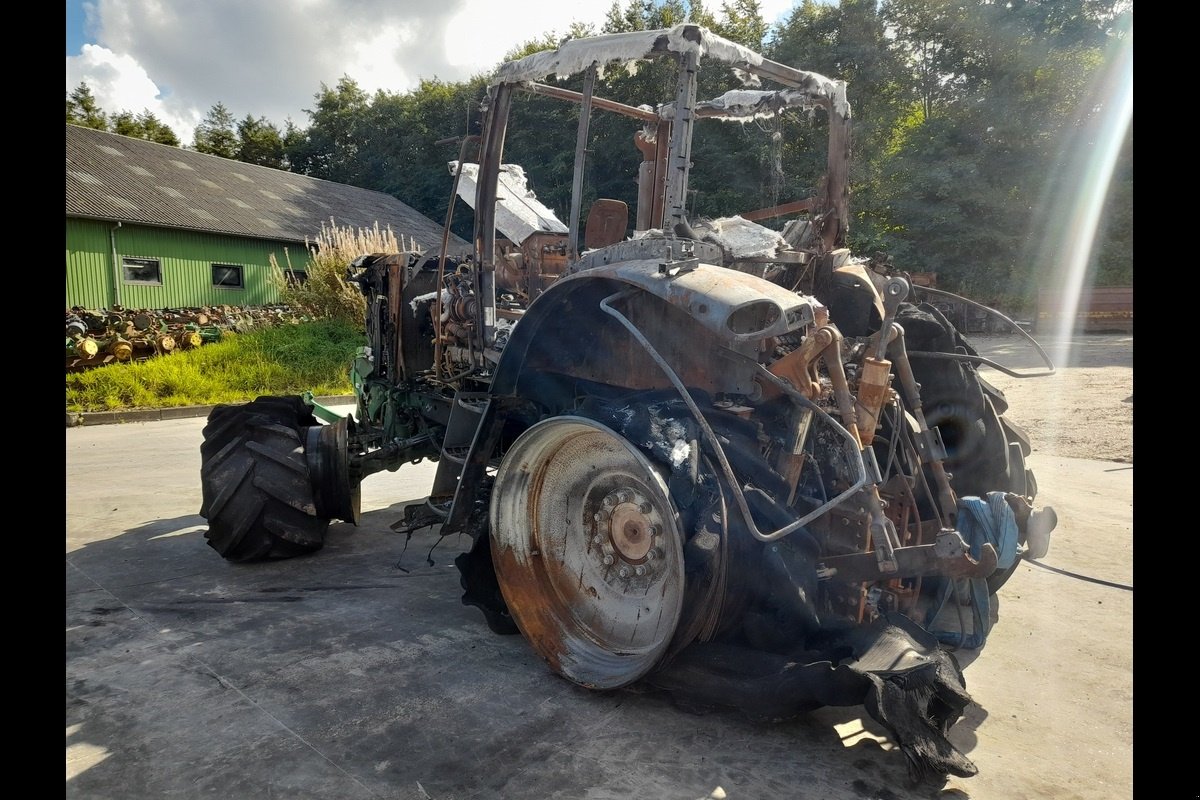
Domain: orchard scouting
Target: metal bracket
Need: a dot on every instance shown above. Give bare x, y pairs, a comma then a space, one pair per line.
673, 268
949, 555
320, 411
871, 464
422, 514
930, 445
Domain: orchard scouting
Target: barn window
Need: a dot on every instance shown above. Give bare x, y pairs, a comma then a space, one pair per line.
227, 275
295, 277
142, 270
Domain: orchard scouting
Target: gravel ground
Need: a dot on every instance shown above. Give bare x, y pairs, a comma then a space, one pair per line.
1085, 409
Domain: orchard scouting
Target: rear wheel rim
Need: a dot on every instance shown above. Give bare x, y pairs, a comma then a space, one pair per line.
587, 550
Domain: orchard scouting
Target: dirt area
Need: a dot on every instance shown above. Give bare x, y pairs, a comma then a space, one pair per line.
1085, 409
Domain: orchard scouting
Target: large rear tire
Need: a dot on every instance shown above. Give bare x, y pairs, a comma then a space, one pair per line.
587, 550
257, 491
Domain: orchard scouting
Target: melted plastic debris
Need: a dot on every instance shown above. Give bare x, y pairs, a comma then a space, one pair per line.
741, 238
503, 331
680, 452
518, 211
423, 298
576, 55
744, 105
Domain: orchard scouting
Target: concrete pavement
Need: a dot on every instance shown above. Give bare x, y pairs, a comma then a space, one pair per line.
356, 672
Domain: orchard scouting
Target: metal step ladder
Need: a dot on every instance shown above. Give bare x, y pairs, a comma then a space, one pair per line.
467, 412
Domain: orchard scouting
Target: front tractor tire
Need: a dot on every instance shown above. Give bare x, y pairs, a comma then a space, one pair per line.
257, 492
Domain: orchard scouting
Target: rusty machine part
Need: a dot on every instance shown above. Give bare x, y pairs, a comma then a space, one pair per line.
81, 347
733, 463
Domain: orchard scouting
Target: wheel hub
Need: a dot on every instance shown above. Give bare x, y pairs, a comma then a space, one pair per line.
627, 532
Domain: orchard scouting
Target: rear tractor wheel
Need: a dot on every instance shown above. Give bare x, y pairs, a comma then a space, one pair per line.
587, 550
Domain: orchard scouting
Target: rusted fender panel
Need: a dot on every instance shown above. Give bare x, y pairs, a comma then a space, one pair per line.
564, 330
736, 306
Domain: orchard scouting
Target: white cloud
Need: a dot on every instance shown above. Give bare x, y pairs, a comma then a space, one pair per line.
120, 83
270, 57
378, 61
480, 35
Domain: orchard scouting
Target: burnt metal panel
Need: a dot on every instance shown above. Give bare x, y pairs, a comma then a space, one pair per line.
716, 297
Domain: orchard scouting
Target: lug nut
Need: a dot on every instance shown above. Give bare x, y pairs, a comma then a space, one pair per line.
652, 554
608, 560
597, 539
623, 572
639, 570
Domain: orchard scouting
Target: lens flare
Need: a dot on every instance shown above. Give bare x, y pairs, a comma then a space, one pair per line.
1096, 147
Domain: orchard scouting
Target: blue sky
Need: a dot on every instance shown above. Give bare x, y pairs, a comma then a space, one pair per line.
178, 58
75, 38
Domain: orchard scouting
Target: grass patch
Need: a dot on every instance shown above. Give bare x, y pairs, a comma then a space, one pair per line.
287, 359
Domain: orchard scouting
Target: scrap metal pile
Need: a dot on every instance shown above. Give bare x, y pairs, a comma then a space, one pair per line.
108, 336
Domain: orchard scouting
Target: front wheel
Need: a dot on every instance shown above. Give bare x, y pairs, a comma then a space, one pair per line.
257, 492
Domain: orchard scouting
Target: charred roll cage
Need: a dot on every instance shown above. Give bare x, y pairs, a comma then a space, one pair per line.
749, 475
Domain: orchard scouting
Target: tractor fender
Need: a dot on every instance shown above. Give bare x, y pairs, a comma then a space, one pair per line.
707, 320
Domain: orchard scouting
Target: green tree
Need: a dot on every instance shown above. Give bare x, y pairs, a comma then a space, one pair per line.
623, 20
156, 130
126, 124
144, 126
403, 157
82, 109
1001, 88
923, 31
215, 134
847, 42
259, 142
742, 21
291, 137
1114, 256
332, 146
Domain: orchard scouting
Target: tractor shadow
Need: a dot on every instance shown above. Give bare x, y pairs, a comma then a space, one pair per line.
366, 642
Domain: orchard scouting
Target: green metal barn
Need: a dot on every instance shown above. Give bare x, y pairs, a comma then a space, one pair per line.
154, 226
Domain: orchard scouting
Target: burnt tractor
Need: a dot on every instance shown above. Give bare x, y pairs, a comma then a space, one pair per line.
729, 462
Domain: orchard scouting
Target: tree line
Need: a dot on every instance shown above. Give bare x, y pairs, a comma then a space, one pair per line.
967, 117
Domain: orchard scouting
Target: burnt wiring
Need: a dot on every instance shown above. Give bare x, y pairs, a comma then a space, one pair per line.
893, 444
958, 585
714, 442
1077, 576
977, 359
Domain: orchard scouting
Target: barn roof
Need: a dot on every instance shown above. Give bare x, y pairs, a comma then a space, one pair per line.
121, 178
